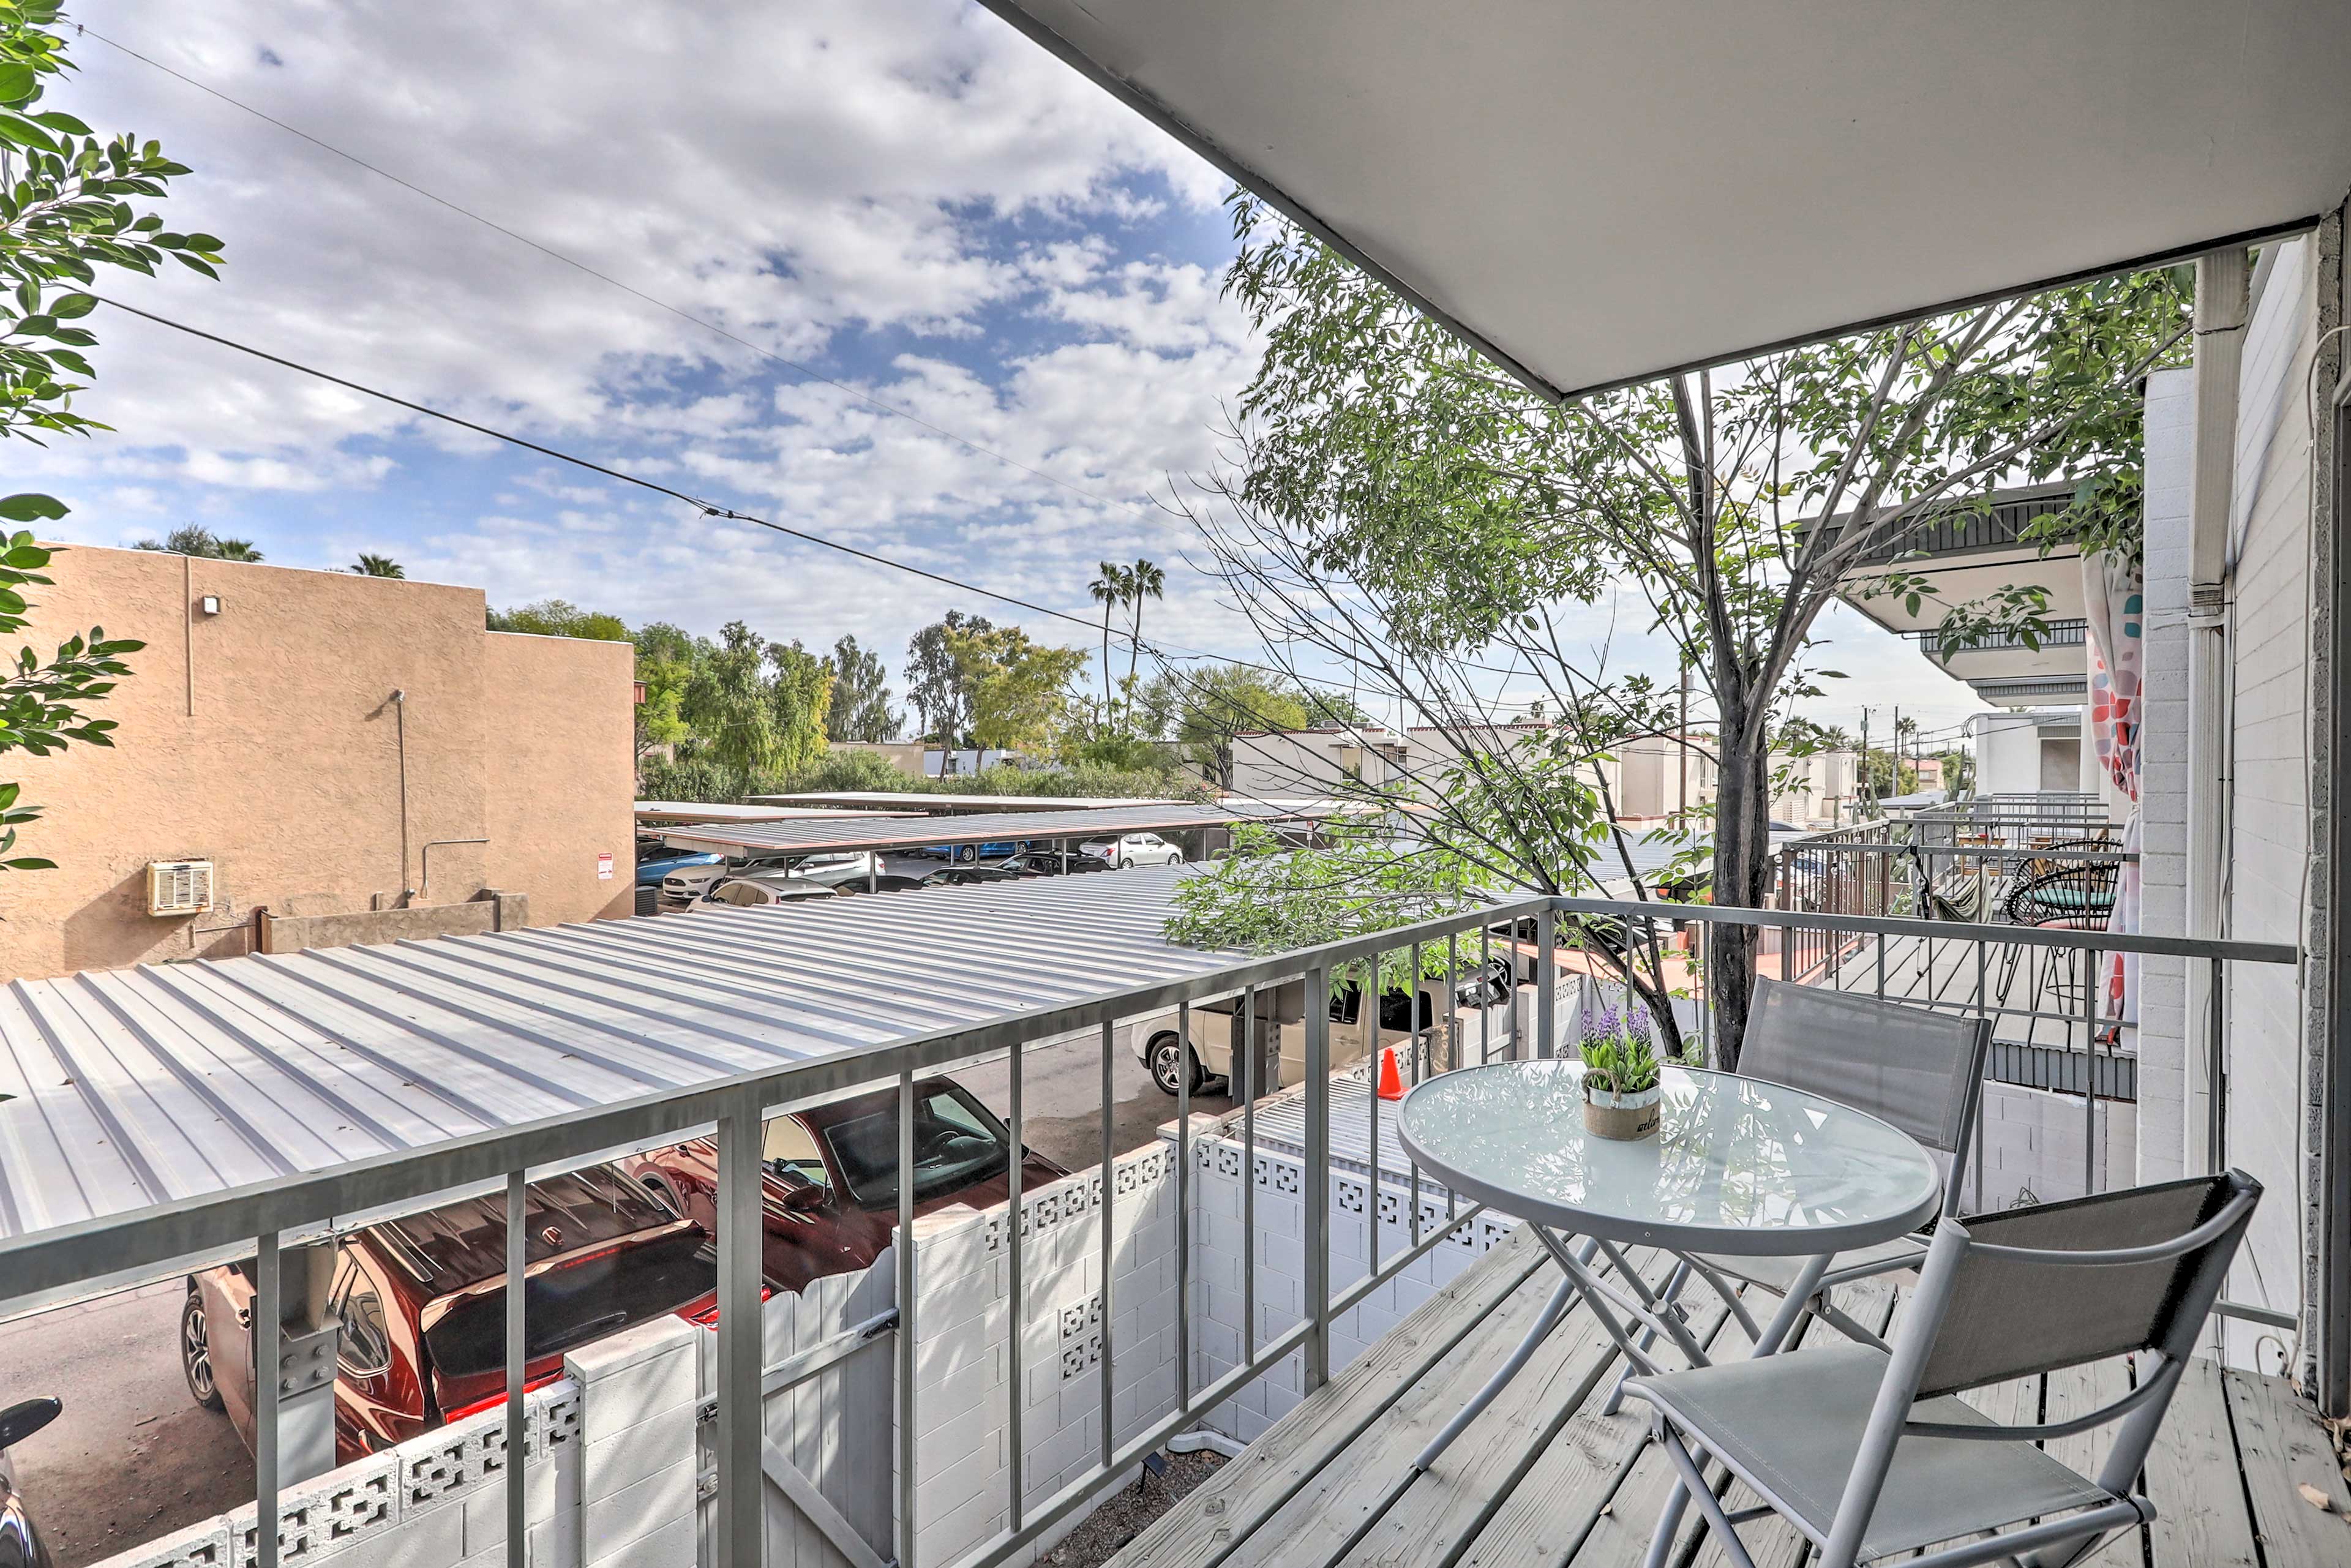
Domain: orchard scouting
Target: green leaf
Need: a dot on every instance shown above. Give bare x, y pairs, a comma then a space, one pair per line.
28, 508
16, 82
72, 307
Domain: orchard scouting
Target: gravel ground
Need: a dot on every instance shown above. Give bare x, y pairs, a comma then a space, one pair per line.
1123, 1517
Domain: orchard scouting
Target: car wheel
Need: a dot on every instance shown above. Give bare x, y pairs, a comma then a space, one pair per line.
1169, 1058
197, 1353
1125, 863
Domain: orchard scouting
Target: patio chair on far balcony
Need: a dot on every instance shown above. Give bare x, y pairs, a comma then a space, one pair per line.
1869, 1452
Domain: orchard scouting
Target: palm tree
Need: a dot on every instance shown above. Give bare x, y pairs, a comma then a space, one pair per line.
1143, 581
1110, 592
377, 565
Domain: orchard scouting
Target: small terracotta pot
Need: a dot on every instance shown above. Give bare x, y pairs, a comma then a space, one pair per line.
1622, 1117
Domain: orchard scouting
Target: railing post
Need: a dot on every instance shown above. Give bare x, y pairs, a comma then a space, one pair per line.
2216, 1070
1316, 1195
1249, 1050
1015, 1296
1546, 984
1183, 1213
742, 1423
517, 1364
908, 1487
269, 1349
1110, 1238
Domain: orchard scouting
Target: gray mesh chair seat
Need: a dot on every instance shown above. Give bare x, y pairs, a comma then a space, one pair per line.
1867, 1449
1792, 1426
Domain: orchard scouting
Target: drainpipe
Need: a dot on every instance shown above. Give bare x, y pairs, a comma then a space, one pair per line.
2222, 308
398, 700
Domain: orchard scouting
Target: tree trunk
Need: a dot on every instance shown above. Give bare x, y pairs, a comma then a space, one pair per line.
1743, 872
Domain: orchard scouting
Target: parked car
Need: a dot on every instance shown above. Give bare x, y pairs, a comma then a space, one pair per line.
1281, 1018
761, 890
1016, 868
975, 875
1052, 863
20, 1543
421, 1302
656, 860
681, 887
1135, 849
830, 1184
972, 854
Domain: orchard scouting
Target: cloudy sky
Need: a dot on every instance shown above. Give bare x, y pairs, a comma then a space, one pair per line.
919, 209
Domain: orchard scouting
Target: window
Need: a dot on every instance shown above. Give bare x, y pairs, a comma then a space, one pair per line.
365, 1348
791, 1151
956, 1143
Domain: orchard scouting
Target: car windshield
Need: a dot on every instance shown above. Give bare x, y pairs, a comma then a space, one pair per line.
956, 1142
571, 1304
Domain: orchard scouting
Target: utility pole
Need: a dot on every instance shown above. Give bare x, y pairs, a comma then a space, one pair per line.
1861, 792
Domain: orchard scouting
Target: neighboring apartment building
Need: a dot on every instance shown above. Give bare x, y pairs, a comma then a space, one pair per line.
304, 737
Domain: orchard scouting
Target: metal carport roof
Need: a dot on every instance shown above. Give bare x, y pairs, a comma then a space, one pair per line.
1596, 192
872, 831
652, 812
123, 1089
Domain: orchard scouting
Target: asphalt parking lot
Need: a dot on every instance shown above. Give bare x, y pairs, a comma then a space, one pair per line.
131, 1458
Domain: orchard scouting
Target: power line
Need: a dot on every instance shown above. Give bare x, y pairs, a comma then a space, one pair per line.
552, 254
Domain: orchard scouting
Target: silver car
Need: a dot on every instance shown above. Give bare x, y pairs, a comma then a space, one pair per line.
20, 1543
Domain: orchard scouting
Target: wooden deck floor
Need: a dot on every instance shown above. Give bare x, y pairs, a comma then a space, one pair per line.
1543, 1480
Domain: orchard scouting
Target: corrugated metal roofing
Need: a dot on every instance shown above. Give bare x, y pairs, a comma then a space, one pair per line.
123, 1089
863, 833
948, 802
711, 811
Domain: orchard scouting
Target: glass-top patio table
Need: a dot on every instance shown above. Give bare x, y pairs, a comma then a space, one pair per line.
1738, 1166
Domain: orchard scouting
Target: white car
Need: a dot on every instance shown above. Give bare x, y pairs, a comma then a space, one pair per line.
687, 884
1135, 849
760, 889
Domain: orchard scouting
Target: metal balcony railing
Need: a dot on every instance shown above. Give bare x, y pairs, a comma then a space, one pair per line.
1546, 940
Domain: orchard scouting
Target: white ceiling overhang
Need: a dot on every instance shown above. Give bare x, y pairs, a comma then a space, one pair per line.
1595, 193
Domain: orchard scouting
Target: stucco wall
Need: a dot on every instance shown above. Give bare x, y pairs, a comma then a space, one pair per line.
562, 779
262, 738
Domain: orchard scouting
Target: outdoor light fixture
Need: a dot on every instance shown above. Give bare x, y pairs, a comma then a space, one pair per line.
209, 604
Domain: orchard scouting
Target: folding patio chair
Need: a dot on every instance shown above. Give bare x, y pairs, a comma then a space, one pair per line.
1920, 1071
1869, 1453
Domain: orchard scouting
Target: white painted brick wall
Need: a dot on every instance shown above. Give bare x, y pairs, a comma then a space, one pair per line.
2269, 1084
963, 1325
1218, 1307
2163, 774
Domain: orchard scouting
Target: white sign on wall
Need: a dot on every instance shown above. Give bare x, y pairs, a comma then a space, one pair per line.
604, 867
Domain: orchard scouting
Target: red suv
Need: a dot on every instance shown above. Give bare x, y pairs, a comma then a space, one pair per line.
423, 1303
830, 1185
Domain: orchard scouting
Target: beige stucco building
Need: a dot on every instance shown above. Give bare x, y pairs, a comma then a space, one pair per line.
260, 732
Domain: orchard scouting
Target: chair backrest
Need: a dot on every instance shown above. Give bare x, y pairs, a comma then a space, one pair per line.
1919, 1071
2031, 1290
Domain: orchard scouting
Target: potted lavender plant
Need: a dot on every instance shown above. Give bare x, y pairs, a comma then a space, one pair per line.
1623, 1082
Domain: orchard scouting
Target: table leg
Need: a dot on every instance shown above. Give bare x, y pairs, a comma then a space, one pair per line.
1547, 1320
1660, 1313
1791, 1308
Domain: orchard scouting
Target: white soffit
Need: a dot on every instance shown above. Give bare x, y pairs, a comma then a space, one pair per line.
1597, 193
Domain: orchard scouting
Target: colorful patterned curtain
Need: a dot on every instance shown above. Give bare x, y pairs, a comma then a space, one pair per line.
2112, 598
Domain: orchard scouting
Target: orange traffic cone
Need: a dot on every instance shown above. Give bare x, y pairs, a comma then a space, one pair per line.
1391, 1084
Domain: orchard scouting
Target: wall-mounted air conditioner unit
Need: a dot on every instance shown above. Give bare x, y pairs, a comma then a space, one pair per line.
179, 887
